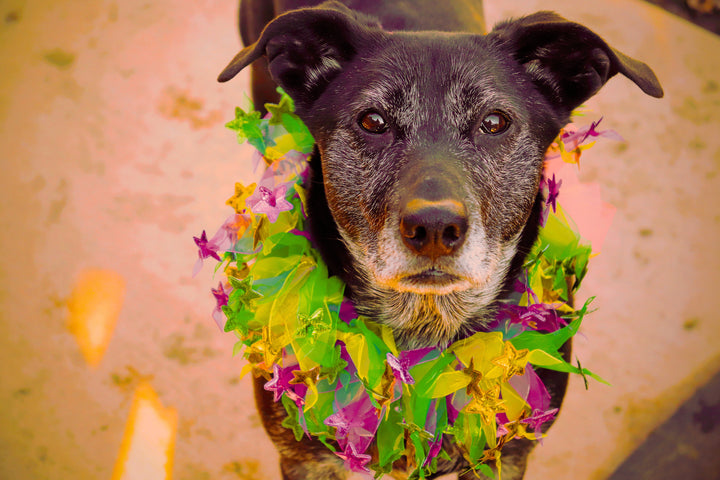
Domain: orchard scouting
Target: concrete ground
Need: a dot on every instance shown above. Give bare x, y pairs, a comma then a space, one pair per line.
113, 155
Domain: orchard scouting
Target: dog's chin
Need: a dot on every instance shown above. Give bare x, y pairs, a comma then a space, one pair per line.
430, 282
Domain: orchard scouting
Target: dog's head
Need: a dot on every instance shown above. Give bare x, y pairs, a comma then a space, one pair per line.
431, 149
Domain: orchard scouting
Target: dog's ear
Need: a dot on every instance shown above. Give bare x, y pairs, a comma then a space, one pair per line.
307, 48
567, 61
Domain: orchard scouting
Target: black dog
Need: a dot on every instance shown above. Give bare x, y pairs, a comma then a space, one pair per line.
430, 142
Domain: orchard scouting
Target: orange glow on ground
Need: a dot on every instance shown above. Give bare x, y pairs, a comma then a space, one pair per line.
95, 305
148, 445
583, 202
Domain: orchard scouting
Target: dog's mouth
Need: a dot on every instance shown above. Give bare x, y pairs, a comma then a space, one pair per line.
432, 281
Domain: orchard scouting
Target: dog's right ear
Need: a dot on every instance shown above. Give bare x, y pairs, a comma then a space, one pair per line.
567, 61
306, 49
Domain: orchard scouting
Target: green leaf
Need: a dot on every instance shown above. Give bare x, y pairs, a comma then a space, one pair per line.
299, 132
420, 452
568, 368
243, 294
277, 111
486, 470
390, 439
237, 348
551, 342
283, 95
237, 320
291, 422
247, 125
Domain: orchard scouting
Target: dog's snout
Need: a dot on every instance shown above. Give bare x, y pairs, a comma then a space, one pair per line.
433, 228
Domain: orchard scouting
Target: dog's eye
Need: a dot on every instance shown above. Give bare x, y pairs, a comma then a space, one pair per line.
373, 122
495, 123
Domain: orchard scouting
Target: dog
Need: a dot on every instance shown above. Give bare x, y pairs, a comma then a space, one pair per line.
430, 135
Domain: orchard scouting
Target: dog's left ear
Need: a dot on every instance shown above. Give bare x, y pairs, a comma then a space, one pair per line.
307, 48
567, 61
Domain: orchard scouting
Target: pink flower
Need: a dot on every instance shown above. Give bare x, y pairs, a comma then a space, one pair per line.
223, 240
538, 417
409, 358
354, 461
228, 233
355, 424
532, 389
269, 198
221, 294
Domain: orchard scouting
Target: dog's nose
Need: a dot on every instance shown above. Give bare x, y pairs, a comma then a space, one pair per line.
433, 228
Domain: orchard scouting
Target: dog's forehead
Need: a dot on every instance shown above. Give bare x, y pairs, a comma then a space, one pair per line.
440, 74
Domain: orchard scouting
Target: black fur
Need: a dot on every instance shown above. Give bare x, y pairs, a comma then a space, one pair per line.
427, 217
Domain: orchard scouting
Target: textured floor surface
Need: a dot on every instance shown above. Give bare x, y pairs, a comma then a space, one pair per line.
685, 446
113, 155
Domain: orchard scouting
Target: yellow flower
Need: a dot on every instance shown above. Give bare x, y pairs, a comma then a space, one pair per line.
487, 404
512, 361
308, 378
473, 387
242, 192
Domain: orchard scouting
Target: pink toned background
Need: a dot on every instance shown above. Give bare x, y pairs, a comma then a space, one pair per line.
113, 155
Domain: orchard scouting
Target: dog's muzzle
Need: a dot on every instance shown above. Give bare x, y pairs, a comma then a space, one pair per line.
432, 226
433, 217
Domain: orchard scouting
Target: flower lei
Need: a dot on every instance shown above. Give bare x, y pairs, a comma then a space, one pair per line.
340, 376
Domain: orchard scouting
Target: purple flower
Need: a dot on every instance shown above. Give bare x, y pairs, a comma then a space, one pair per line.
537, 316
347, 311
221, 295
280, 383
345, 356
302, 233
434, 450
452, 410
542, 317
269, 198
521, 286
205, 249
553, 187
553, 192
577, 138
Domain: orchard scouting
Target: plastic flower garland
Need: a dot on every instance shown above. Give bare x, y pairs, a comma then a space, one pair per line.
340, 376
